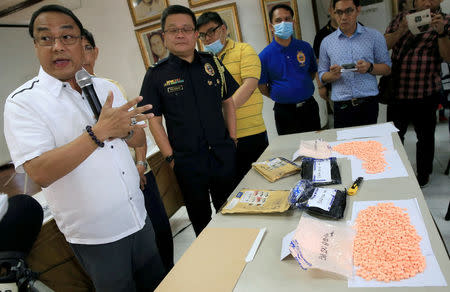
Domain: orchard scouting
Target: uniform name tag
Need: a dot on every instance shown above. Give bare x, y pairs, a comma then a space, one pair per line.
175, 88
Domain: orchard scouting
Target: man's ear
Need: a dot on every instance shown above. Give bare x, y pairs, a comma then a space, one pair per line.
95, 53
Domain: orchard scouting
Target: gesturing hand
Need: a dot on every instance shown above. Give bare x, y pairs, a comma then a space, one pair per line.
117, 122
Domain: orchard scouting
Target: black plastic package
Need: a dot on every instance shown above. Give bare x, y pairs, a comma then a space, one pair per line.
321, 172
327, 202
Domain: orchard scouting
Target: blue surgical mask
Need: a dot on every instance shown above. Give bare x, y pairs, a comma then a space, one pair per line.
214, 47
284, 30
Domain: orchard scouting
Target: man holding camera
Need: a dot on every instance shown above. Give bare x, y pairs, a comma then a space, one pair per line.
417, 65
349, 59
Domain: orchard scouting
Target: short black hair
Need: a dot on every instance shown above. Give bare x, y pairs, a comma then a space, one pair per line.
208, 17
52, 8
356, 2
177, 9
278, 6
88, 36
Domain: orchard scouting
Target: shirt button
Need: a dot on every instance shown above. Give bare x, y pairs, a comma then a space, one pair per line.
123, 172
131, 198
64, 85
112, 146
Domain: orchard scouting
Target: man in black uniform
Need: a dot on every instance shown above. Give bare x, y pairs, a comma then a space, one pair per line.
191, 89
332, 25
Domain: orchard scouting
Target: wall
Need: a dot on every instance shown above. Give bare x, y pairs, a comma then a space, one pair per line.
17, 65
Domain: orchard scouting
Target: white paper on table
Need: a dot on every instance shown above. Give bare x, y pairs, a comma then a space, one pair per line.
285, 245
419, 22
45, 207
394, 168
256, 243
377, 130
386, 141
432, 276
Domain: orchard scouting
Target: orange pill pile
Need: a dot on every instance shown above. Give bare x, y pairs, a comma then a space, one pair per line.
386, 246
370, 152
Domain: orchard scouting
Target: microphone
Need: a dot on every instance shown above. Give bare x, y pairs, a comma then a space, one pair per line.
84, 80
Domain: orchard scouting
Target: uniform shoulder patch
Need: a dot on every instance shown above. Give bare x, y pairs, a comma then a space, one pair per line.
162, 61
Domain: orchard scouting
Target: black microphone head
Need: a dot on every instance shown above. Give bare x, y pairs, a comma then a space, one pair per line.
83, 78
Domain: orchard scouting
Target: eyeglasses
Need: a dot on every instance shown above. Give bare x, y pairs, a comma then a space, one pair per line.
88, 48
48, 41
184, 30
347, 11
209, 33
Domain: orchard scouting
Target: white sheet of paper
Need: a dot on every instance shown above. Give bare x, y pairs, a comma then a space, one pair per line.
395, 167
252, 251
45, 207
432, 276
377, 130
285, 245
385, 140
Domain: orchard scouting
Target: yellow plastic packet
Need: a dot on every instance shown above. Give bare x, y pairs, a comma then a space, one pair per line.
276, 168
258, 201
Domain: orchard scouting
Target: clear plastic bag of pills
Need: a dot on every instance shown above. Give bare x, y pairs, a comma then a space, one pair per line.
323, 245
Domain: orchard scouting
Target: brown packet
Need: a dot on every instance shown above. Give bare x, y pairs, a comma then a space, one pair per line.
276, 168
253, 201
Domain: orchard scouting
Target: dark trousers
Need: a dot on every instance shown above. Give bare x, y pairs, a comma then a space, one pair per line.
160, 221
363, 111
21, 224
248, 150
297, 118
204, 173
129, 264
422, 114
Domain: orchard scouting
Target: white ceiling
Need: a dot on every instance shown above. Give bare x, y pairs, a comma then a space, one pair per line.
23, 16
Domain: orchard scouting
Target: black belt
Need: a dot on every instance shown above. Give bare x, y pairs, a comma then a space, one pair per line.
355, 101
296, 105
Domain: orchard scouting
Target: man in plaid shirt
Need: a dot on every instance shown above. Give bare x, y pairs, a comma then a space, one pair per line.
416, 63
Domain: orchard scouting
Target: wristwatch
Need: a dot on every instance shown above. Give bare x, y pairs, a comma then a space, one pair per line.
169, 158
370, 68
143, 163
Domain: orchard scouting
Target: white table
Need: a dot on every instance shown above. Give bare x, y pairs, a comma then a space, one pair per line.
267, 273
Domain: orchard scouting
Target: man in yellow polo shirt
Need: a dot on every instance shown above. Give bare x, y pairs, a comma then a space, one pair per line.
243, 63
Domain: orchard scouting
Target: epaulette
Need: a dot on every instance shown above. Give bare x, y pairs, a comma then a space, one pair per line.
162, 61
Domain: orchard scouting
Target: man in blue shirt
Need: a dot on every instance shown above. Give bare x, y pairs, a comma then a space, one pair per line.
364, 49
288, 67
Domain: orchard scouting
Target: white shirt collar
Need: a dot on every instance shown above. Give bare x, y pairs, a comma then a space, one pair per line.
53, 85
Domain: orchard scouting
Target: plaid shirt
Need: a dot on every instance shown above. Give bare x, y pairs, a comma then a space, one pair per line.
416, 60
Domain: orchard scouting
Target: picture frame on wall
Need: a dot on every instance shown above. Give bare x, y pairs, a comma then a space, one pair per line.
197, 3
151, 44
266, 5
144, 11
229, 15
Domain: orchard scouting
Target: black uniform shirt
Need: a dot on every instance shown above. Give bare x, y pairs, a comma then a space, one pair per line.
323, 33
189, 95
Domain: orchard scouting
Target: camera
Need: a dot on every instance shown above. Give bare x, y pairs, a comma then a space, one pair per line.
13, 270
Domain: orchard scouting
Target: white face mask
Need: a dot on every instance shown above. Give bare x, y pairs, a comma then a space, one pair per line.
284, 30
214, 47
